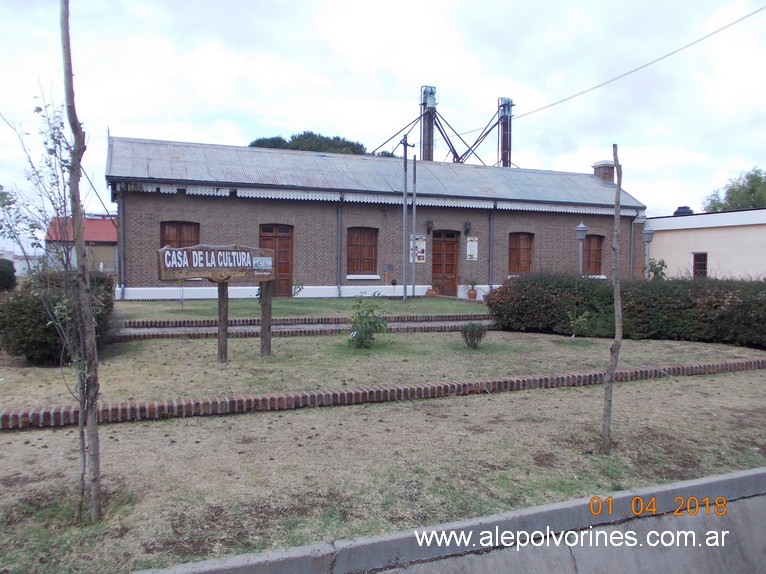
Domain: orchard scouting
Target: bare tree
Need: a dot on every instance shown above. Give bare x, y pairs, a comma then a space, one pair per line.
89, 357
24, 219
614, 350
56, 178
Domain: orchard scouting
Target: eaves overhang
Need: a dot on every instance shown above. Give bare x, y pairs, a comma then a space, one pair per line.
354, 196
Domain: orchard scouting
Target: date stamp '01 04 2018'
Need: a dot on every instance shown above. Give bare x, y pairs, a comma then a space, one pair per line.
639, 505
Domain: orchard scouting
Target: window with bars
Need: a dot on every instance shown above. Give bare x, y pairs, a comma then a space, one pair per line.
699, 264
179, 233
591, 254
519, 253
362, 251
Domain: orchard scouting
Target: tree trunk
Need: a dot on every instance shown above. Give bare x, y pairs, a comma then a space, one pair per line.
614, 350
89, 358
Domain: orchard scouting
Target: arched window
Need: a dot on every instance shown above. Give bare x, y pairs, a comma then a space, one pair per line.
520, 253
179, 233
362, 251
591, 254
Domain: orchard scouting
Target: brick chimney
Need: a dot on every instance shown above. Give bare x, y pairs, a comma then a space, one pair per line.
604, 170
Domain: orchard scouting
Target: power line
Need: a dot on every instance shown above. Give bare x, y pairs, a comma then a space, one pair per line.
634, 70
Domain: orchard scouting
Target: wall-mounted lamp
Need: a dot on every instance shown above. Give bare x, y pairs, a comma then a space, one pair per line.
467, 227
648, 236
429, 226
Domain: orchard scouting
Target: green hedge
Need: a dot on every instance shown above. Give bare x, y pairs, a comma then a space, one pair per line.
26, 329
710, 310
7, 275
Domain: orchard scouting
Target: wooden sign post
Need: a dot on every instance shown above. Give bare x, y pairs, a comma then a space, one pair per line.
266, 318
219, 264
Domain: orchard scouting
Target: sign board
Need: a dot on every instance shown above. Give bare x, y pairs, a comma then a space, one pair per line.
471, 249
217, 263
418, 249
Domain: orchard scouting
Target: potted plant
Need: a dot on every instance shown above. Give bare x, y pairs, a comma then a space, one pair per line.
472, 292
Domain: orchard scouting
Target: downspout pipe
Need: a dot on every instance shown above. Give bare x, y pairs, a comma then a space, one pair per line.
632, 245
121, 232
491, 243
339, 243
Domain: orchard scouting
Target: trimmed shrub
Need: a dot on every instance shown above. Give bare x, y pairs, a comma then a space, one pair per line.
365, 322
473, 334
7, 275
26, 328
707, 310
547, 303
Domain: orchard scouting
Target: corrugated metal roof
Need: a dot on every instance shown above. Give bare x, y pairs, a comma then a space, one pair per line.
245, 167
95, 229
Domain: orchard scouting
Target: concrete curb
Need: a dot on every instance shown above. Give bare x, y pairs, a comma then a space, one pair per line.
401, 550
129, 411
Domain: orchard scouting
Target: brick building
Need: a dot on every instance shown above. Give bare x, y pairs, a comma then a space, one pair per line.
336, 221
100, 234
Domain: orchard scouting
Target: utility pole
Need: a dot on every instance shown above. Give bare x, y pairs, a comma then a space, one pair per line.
414, 245
405, 245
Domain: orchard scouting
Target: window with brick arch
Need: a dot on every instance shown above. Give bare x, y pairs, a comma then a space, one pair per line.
179, 233
520, 253
591, 254
362, 251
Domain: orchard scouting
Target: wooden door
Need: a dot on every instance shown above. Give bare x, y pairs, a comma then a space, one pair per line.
280, 239
444, 265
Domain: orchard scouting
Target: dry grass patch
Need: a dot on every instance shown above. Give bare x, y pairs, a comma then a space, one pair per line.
179, 368
188, 489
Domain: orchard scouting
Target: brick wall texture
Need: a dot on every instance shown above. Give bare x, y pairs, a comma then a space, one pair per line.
227, 220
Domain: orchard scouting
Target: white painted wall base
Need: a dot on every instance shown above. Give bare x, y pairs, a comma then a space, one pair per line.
177, 293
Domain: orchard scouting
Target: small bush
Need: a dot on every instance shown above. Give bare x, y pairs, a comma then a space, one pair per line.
473, 334
7, 275
365, 322
26, 326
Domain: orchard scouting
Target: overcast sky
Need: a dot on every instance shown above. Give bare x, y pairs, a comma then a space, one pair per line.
230, 71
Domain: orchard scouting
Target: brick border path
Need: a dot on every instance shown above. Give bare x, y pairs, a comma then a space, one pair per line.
123, 411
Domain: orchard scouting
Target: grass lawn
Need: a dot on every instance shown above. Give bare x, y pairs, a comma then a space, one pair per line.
291, 307
179, 368
188, 489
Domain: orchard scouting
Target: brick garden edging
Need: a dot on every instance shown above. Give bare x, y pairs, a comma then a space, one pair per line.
123, 411
144, 329
255, 321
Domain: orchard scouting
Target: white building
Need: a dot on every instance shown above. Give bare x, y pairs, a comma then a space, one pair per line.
730, 244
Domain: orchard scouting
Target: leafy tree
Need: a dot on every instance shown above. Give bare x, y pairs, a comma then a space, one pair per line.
309, 141
748, 191
277, 142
